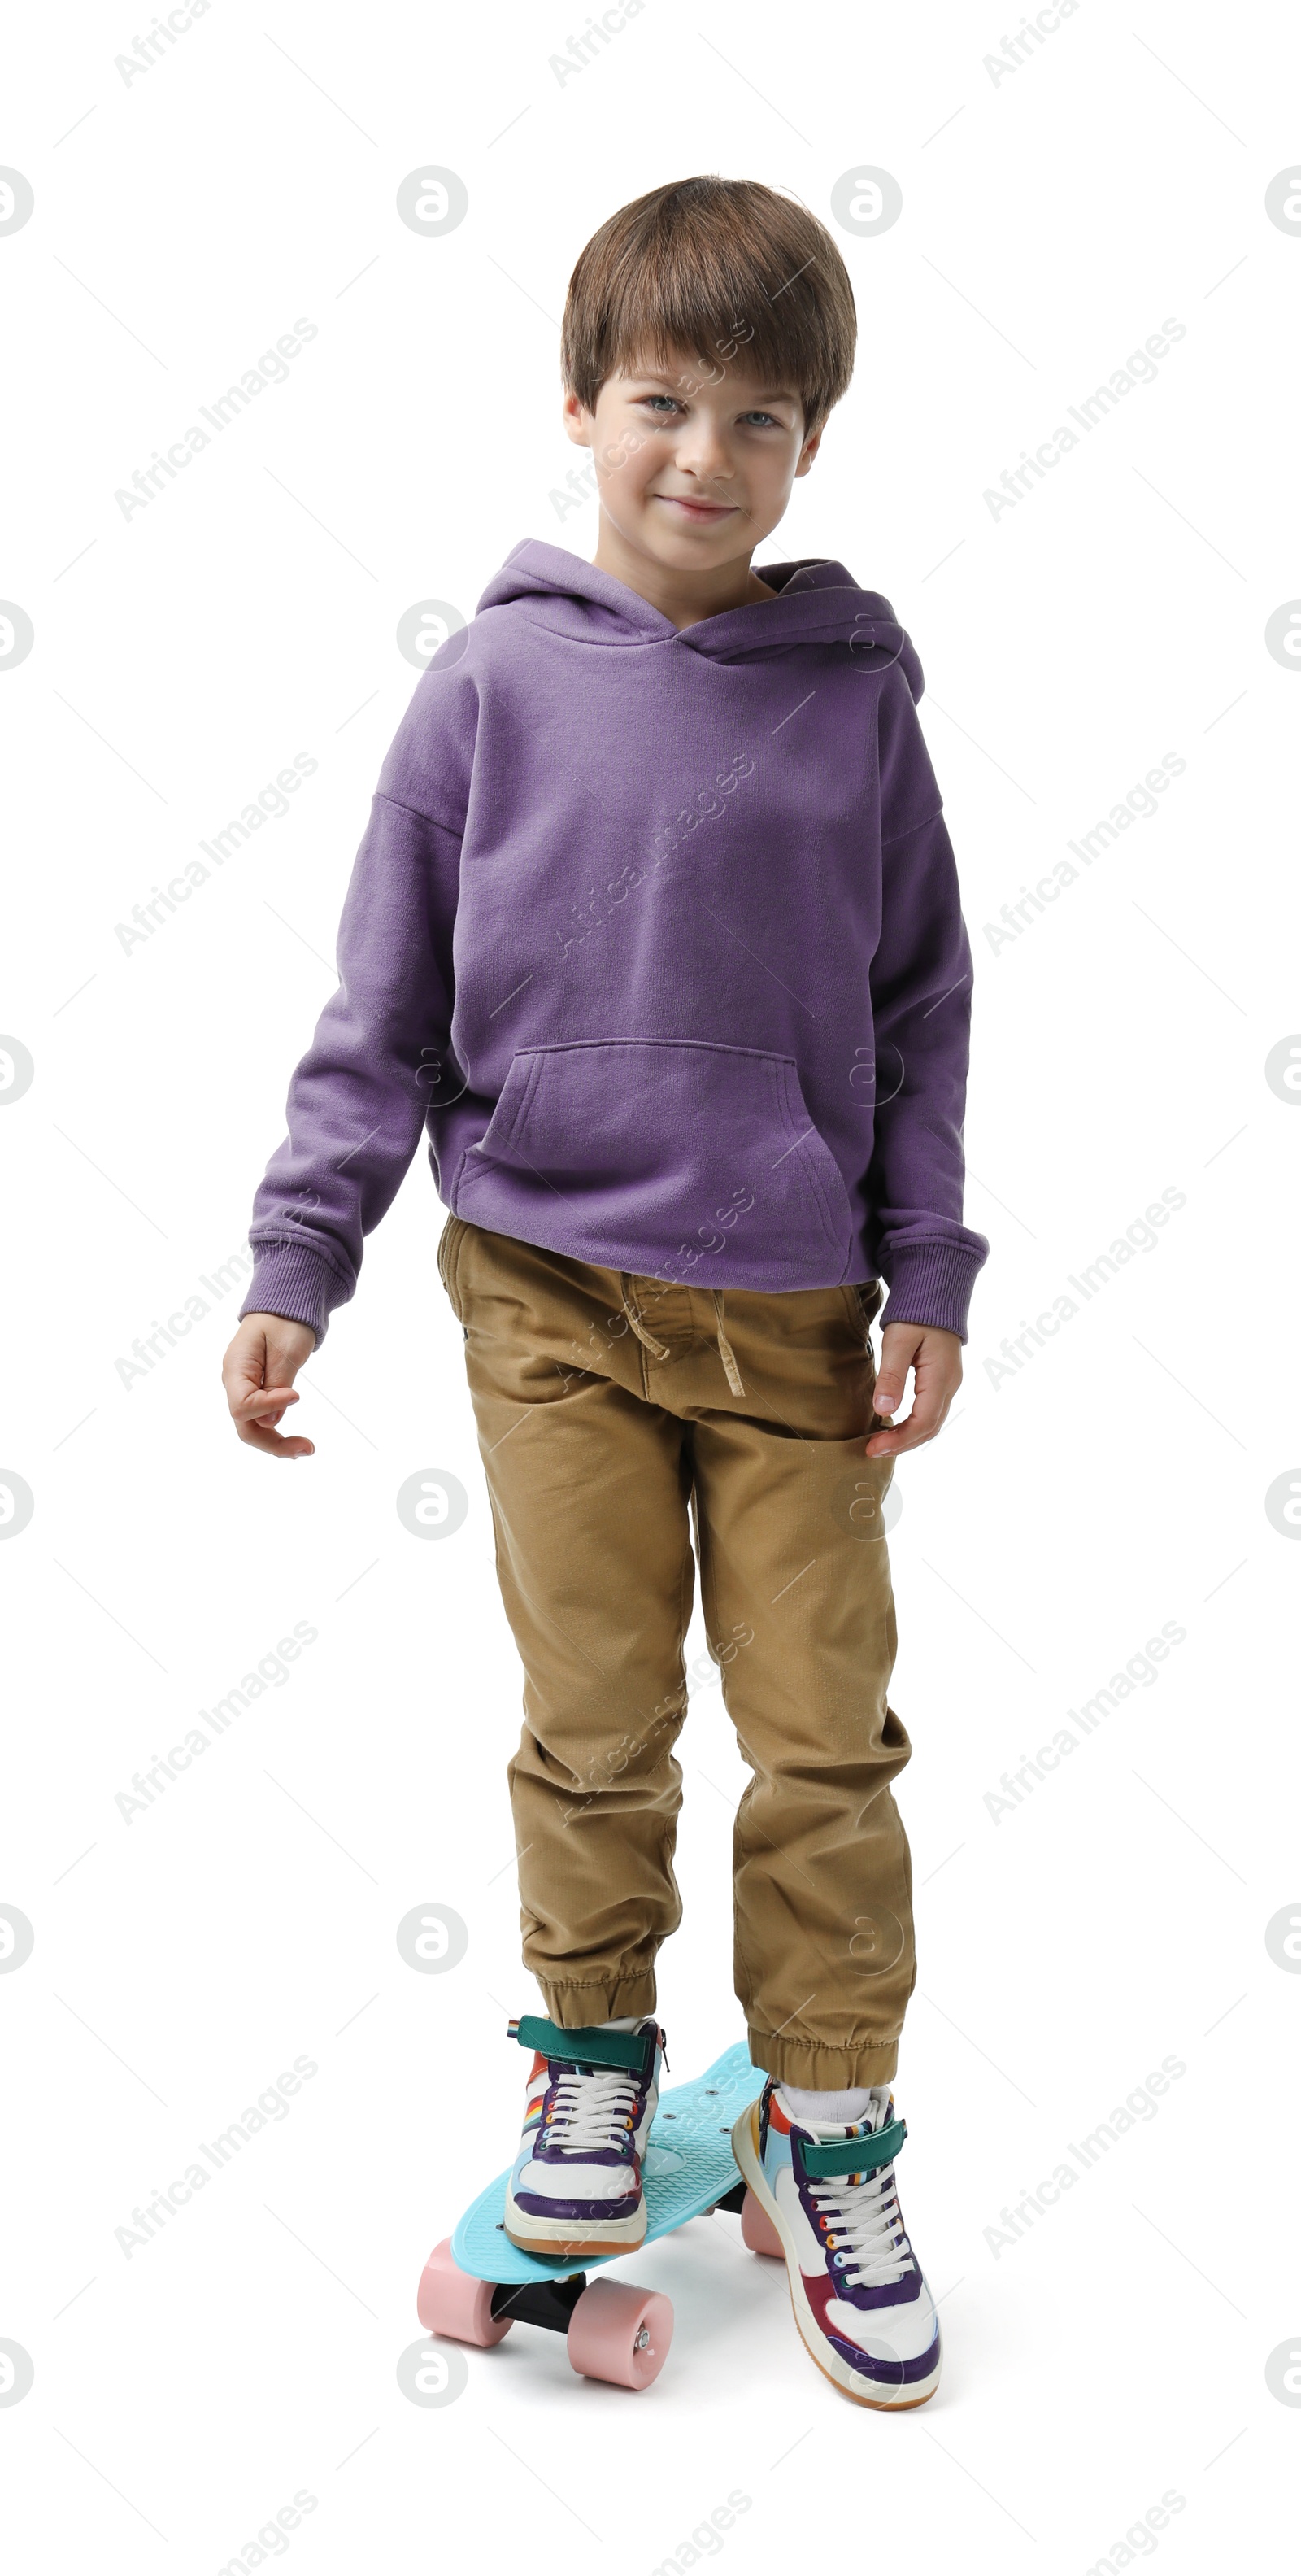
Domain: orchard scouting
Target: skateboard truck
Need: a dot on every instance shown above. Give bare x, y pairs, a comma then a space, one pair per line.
539, 2303
613, 2330
733, 2200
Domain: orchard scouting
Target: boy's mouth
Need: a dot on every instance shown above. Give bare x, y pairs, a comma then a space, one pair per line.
703, 511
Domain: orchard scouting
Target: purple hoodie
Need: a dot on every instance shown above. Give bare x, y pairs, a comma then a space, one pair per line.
657, 934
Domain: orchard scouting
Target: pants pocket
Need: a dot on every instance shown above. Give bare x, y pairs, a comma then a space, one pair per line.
868, 1293
448, 1243
868, 1297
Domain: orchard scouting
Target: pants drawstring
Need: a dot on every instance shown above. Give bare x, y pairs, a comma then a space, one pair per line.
725, 1351
657, 1350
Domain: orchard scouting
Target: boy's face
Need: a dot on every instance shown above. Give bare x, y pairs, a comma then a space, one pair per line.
694, 458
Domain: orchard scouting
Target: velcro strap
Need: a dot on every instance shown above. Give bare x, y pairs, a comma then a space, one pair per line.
597, 2046
853, 2155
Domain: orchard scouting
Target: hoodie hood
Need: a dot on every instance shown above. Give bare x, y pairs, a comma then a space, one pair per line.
818, 603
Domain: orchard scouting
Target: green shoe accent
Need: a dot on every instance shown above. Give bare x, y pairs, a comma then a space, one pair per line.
853, 2155
594, 2046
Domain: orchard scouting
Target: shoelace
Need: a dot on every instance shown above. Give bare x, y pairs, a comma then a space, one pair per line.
864, 2221
588, 2111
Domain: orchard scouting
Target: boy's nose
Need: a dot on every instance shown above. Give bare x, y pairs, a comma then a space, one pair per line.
703, 453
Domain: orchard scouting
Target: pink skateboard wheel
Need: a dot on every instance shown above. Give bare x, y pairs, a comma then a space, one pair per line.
758, 2230
620, 2333
452, 2302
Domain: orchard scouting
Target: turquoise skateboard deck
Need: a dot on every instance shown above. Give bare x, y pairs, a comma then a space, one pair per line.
687, 2169
476, 2285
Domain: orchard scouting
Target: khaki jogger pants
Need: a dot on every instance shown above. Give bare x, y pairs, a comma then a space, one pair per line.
616, 1414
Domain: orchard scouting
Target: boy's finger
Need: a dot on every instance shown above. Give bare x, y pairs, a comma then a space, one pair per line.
901, 1346
890, 1444
925, 1419
255, 1436
257, 1400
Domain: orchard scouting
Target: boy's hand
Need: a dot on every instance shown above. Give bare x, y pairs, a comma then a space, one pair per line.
258, 1374
935, 1358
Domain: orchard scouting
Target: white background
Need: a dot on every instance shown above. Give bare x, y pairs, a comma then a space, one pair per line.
1051, 220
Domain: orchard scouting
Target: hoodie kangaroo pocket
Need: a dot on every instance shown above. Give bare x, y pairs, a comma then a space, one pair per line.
671, 1157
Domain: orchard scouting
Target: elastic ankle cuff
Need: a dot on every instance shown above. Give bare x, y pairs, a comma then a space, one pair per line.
819, 2068
577, 2007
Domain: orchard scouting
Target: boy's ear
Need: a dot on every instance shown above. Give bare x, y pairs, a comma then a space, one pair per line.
578, 422
809, 451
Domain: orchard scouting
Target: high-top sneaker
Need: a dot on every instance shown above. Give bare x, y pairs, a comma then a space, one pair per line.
861, 2300
575, 2186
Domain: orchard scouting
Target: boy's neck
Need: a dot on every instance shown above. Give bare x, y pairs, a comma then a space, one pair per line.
684, 597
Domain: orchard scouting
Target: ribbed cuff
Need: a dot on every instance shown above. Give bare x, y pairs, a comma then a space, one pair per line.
573, 2007
820, 2066
931, 1283
293, 1280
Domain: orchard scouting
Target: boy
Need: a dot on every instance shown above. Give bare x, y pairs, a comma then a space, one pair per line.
655, 928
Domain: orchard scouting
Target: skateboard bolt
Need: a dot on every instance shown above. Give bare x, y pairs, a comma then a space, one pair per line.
641, 2339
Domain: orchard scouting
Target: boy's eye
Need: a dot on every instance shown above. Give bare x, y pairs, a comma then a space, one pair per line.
664, 405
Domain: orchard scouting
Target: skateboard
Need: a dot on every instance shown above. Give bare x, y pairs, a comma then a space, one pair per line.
476, 2285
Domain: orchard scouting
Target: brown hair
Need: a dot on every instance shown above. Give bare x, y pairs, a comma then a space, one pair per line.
719, 268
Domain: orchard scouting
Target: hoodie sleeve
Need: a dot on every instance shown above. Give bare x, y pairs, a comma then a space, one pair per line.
921, 1011
358, 1100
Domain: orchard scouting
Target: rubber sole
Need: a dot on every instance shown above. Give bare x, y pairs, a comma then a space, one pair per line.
534, 2236
745, 2148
